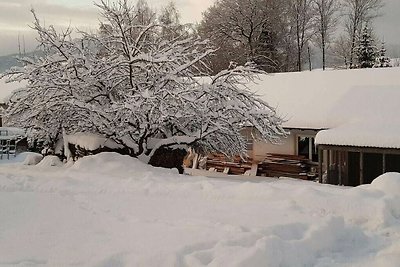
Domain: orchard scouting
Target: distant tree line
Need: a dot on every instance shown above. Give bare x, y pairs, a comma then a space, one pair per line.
277, 35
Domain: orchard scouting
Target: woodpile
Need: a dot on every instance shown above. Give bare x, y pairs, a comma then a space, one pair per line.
278, 165
273, 165
235, 165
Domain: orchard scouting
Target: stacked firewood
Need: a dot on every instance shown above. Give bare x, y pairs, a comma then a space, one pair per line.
277, 165
234, 165
273, 165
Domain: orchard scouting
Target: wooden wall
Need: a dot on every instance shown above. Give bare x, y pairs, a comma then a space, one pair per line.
352, 166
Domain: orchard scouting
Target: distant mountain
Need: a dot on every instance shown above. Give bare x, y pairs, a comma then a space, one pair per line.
8, 61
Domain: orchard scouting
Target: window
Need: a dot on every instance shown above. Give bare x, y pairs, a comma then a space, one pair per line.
306, 147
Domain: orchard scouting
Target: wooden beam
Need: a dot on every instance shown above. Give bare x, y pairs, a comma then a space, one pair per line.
340, 182
328, 163
320, 172
375, 150
195, 161
361, 168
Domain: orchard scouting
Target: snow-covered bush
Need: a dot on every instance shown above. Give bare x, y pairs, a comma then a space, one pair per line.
32, 158
133, 82
50, 161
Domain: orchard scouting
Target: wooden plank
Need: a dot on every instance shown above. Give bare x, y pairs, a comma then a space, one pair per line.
383, 163
254, 168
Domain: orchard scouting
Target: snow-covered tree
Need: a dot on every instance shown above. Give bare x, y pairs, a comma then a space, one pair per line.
169, 17
133, 84
382, 61
366, 50
56, 80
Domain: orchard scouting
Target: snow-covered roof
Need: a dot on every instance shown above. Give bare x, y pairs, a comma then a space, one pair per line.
362, 134
357, 107
7, 133
328, 99
7, 88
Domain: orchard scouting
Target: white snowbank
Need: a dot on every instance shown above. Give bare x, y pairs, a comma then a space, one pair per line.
50, 161
389, 183
112, 210
32, 158
91, 141
112, 163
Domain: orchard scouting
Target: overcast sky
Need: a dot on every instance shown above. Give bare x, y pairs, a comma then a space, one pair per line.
15, 18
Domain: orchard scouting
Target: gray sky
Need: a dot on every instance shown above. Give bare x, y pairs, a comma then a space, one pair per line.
15, 17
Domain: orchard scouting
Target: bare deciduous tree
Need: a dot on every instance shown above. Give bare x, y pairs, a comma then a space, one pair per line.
247, 30
326, 19
301, 14
239, 22
341, 51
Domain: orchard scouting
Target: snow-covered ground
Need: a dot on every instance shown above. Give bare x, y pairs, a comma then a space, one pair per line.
112, 210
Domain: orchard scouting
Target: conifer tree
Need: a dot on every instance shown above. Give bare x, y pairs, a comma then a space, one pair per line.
366, 51
382, 61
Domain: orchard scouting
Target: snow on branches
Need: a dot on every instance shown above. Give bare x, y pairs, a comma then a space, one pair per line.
366, 50
140, 85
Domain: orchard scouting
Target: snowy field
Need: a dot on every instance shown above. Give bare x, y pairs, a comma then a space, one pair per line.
111, 210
